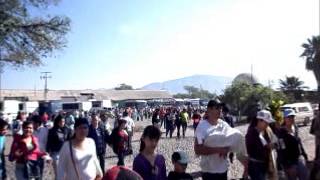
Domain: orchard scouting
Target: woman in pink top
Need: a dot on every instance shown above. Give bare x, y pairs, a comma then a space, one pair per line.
25, 151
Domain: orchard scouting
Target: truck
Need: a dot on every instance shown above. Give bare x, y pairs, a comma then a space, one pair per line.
50, 107
29, 106
9, 109
103, 104
76, 106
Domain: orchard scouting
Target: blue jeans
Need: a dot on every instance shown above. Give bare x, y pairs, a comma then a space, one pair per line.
257, 170
300, 171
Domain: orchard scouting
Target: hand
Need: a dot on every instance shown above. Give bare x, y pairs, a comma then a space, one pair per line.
18, 153
223, 152
98, 177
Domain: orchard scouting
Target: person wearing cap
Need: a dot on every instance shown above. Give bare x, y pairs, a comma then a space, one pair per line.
180, 162
291, 149
214, 139
259, 145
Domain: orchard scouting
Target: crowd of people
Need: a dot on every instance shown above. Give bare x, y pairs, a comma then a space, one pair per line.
75, 145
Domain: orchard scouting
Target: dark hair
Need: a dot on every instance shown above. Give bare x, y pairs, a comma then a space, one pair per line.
3, 123
26, 123
125, 113
19, 115
214, 103
36, 119
81, 121
57, 120
151, 132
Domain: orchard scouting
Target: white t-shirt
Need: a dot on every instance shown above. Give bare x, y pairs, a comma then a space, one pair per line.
130, 123
219, 135
86, 161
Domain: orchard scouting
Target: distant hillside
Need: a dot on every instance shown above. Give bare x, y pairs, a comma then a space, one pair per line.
207, 82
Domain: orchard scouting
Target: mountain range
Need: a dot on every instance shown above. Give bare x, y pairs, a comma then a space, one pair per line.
214, 84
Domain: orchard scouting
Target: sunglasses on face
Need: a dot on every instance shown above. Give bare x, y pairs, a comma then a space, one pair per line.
184, 165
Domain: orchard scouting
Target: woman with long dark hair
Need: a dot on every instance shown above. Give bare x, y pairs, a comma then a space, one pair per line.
148, 163
259, 145
78, 157
56, 137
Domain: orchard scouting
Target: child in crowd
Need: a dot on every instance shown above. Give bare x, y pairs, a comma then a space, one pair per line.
180, 162
3, 132
148, 163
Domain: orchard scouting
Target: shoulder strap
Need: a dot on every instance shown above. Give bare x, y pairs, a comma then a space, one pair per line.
72, 159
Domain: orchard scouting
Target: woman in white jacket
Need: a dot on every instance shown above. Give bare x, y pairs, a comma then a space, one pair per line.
78, 159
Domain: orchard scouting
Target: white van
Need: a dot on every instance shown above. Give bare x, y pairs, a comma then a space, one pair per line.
29, 106
304, 112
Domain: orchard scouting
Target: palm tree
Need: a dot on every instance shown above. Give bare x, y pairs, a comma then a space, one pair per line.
312, 55
291, 83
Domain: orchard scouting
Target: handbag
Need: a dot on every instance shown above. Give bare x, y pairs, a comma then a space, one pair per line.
73, 162
31, 169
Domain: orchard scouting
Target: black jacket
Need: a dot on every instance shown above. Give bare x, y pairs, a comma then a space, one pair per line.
290, 148
255, 148
56, 137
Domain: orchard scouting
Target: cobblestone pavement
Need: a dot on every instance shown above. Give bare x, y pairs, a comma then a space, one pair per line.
167, 146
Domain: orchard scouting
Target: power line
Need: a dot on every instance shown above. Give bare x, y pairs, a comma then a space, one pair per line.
45, 76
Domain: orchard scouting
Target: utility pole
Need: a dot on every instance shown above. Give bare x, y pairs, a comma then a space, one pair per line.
45, 76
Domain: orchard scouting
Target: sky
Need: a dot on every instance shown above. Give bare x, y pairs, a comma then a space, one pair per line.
138, 42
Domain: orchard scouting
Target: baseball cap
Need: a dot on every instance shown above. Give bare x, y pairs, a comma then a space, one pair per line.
265, 115
121, 173
288, 112
180, 157
214, 103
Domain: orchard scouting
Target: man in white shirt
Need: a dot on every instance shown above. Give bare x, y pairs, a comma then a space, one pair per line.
129, 128
41, 133
214, 138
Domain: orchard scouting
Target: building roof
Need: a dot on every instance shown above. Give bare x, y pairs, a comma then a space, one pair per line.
116, 95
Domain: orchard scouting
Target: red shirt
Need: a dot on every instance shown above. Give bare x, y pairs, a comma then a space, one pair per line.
123, 139
32, 154
196, 118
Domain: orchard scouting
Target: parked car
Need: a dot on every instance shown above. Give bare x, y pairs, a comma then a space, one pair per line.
304, 112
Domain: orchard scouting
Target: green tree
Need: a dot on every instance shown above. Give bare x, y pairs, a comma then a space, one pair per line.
292, 83
124, 86
26, 39
194, 92
244, 97
311, 53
